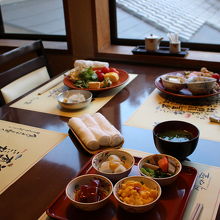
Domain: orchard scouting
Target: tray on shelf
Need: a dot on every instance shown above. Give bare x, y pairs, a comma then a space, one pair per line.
171, 205
164, 51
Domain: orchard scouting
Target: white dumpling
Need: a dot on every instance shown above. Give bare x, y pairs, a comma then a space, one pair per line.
114, 158
114, 164
120, 169
105, 167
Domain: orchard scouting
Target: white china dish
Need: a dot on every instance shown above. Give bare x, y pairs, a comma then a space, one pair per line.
144, 182
162, 180
201, 85
75, 184
74, 99
173, 83
124, 157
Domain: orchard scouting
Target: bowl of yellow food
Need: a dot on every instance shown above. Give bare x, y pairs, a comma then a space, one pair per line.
74, 99
162, 168
89, 192
113, 164
137, 194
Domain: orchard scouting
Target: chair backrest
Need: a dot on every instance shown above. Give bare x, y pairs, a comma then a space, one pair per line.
31, 72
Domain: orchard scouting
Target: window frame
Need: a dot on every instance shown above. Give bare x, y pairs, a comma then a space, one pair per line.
134, 42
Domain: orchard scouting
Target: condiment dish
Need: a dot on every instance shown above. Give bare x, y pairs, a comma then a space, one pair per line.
173, 83
162, 168
74, 99
113, 164
137, 194
89, 192
200, 85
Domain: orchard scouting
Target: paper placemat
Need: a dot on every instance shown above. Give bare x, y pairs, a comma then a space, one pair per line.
158, 108
21, 147
206, 190
47, 102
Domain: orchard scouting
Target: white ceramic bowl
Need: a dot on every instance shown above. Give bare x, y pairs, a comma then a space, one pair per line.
150, 183
74, 99
165, 180
201, 85
74, 185
125, 157
173, 83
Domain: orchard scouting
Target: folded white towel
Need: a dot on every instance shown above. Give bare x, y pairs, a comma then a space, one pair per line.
84, 133
102, 137
90, 63
106, 126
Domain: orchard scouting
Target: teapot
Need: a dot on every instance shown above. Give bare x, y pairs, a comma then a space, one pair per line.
152, 42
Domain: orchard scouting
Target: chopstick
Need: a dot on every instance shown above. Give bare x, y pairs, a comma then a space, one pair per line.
196, 212
50, 85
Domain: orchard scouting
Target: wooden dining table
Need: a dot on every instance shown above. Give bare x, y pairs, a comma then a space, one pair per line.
33, 192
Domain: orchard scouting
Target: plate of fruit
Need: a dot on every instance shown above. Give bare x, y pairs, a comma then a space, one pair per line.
95, 78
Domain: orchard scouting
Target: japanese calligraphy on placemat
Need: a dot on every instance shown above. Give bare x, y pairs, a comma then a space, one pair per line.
21, 147
47, 102
159, 107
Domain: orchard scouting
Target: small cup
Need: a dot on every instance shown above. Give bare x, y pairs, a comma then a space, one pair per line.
175, 47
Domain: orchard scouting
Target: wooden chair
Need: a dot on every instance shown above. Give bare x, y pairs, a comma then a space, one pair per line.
31, 71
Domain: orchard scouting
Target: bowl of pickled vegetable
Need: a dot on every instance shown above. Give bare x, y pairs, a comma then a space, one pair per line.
137, 194
161, 167
89, 192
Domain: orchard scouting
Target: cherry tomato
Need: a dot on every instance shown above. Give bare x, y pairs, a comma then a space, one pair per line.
216, 76
98, 71
113, 70
96, 68
100, 76
105, 70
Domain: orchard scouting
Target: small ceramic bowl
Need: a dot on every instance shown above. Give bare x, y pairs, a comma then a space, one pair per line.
105, 187
173, 83
74, 99
152, 197
150, 162
108, 163
201, 85
176, 138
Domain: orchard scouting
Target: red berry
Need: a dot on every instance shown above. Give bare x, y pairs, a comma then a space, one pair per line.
113, 70
105, 70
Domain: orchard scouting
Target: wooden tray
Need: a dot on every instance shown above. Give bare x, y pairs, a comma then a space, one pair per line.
93, 151
164, 51
170, 206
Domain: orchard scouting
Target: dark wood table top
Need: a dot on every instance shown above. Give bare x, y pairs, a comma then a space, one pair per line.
32, 193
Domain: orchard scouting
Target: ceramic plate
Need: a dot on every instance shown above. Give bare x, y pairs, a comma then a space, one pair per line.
184, 93
123, 77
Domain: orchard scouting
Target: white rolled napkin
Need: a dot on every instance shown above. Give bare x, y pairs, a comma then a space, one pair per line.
84, 133
90, 63
116, 137
102, 137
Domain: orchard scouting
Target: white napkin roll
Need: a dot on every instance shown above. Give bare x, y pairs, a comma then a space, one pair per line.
116, 137
90, 63
102, 137
84, 133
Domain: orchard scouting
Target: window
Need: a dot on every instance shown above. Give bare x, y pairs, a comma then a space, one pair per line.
32, 19
196, 22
